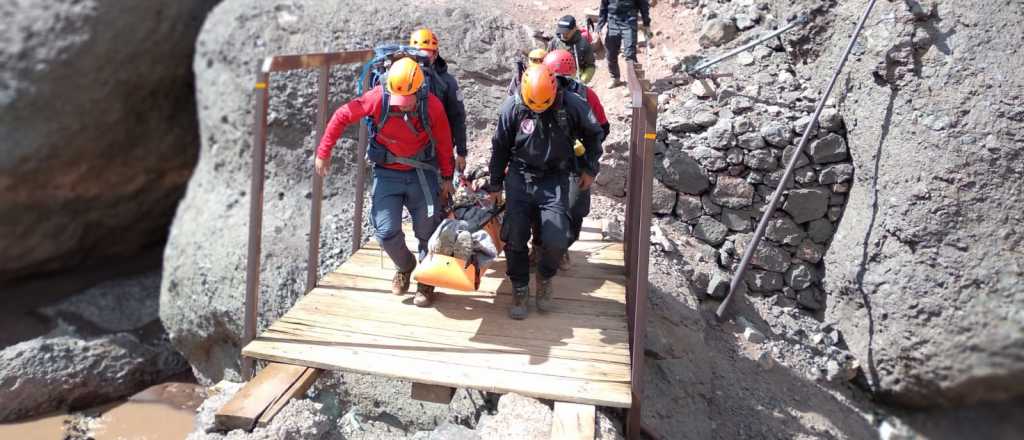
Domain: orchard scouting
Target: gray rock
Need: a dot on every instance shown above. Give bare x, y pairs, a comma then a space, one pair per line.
805, 175
744, 22
663, 200
837, 200
741, 104
838, 173
810, 251
800, 276
732, 192
717, 32
820, 230
800, 125
736, 220
763, 280
720, 135
806, 204
608, 427
784, 230
767, 256
831, 148
99, 128
787, 155
841, 188
719, 285
755, 177
754, 336
743, 125
682, 173
688, 207
777, 134
734, 156
705, 119
745, 58
710, 231
811, 298
835, 213
448, 431
518, 417
299, 420
681, 123
763, 160
49, 373
751, 141
710, 207
709, 158
204, 260
115, 306
830, 119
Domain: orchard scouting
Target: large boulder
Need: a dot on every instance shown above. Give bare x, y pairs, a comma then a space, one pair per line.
925, 272
98, 123
204, 267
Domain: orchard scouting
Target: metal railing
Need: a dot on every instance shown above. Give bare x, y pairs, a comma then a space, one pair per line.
637, 238
322, 62
638, 200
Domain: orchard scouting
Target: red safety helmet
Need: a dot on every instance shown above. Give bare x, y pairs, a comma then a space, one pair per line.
561, 62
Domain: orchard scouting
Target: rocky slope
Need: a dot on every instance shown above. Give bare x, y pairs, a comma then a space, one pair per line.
204, 267
98, 121
924, 271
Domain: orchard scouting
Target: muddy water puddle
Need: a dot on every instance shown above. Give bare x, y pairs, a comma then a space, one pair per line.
164, 411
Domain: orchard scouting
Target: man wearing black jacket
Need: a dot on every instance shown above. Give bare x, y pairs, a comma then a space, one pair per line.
621, 18
537, 128
446, 88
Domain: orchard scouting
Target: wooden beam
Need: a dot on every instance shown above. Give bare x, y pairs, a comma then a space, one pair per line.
243, 411
573, 421
432, 393
298, 389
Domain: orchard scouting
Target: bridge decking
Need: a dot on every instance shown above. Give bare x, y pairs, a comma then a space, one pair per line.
578, 353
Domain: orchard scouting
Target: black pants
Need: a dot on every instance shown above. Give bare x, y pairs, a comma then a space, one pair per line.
547, 199
579, 209
621, 35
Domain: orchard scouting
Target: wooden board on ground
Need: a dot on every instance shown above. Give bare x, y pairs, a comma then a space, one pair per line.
576, 352
432, 393
573, 421
275, 382
298, 389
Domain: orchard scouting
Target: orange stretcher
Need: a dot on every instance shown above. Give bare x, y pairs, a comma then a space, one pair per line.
453, 273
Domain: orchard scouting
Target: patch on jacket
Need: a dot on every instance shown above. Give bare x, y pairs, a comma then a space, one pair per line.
527, 126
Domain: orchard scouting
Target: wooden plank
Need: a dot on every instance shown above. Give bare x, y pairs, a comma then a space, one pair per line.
604, 393
432, 393
573, 421
297, 390
245, 408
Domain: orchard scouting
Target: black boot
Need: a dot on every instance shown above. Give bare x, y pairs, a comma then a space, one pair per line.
520, 307
543, 292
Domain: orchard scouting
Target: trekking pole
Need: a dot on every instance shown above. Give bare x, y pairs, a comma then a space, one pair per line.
748, 253
799, 20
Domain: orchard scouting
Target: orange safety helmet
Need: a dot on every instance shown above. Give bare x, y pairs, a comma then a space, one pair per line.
423, 39
405, 77
536, 56
538, 88
561, 62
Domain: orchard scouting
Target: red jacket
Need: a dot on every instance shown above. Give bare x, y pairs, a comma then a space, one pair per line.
395, 135
596, 107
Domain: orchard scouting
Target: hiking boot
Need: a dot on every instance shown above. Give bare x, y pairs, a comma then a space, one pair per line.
543, 292
400, 283
424, 295
520, 303
616, 83
566, 262
446, 240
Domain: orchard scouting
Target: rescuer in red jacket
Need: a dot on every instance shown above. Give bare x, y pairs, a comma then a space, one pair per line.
410, 145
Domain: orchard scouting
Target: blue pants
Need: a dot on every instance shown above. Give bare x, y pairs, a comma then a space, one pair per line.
527, 198
393, 190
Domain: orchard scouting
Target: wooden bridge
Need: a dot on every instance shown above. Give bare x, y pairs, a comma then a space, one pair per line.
586, 351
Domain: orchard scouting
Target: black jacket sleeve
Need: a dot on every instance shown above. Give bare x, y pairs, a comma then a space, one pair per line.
586, 52
645, 11
456, 111
588, 130
502, 143
602, 18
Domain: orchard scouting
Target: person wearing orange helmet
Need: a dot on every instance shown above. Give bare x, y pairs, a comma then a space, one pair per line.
410, 146
563, 64
446, 88
533, 141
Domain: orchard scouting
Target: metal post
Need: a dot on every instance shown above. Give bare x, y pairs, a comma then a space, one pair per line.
313, 262
802, 19
777, 195
252, 275
357, 215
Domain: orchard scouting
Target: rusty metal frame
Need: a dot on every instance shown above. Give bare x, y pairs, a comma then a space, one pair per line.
637, 239
322, 62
